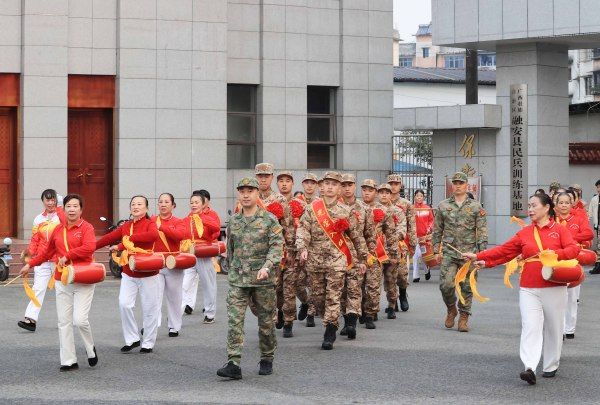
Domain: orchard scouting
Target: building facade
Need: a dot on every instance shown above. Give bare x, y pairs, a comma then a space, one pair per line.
115, 98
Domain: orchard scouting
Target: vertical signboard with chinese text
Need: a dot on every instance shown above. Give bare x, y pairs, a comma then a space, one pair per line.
518, 150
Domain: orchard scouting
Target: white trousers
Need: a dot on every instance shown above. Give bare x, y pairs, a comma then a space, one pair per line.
571, 313
41, 276
417, 258
542, 325
207, 277
170, 284
148, 289
73, 303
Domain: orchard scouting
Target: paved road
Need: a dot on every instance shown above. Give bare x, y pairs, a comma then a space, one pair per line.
413, 359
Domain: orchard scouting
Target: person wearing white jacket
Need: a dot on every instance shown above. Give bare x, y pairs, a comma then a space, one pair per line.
594, 214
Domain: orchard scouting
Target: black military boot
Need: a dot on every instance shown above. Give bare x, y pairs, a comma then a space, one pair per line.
369, 322
230, 370
329, 337
403, 300
351, 326
596, 269
280, 321
390, 313
310, 321
266, 367
361, 319
287, 330
303, 312
344, 330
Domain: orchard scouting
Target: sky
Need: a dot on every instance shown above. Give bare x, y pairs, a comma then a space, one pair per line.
408, 14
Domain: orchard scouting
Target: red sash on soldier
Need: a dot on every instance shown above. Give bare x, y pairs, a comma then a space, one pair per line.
328, 226
382, 256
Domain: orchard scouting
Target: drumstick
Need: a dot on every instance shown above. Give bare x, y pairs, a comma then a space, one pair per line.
453, 248
12, 281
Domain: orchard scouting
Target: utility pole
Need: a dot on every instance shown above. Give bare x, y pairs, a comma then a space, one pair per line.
471, 79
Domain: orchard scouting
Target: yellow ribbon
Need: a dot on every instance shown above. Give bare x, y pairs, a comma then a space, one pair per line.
461, 276
129, 248
29, 292
196, 222
548, 257
161, 234
473, 283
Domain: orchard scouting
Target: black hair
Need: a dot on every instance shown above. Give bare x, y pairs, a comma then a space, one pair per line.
540, 191
567, 193
202, 192
297, 193
546, 200
170, 196
198, 193
145, 199
49, 194
573, 193
597, 183
419, 191
70, 197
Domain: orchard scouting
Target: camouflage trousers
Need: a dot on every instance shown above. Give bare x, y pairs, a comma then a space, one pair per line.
286, 287
326, 291
371, 290
402, 279
302, 284
390, 277
237, 302
352, 293
448, 270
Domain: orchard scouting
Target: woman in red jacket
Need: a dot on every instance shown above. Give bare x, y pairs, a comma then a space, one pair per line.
542, 302
582, 233
171, 231
142, 231
73, 301
424, 220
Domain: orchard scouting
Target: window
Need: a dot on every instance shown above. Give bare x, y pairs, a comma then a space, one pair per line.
487, 60
588, 85
321, 128
426, 52
406, 62
454, 62
241, 126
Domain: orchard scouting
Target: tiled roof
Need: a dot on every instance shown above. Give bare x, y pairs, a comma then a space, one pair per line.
439, 75
584, 153
424, 29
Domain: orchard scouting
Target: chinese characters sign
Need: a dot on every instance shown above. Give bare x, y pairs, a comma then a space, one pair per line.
518, 150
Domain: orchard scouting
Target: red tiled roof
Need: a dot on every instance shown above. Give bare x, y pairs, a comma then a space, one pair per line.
584, 153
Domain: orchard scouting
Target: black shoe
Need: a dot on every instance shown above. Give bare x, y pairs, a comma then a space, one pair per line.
188, 310
266, 367
230, 370
310, 321
280, 320
142, 332
303, 312
73, 366
390, 313
428, 275
329, 337
570, 336
173, 333
27, 325
208, 320
528, 376
92, 361
287, 331
127, 348
369, 323
344, 330
403, 300
549, 374
145, 350
596, 269
416, 280
361, 319
351, 326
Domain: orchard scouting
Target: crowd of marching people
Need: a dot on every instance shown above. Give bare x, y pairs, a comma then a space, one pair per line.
322, 248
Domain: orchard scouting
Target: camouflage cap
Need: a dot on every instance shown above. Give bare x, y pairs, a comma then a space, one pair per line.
348, 178
555, 185
285, 173
333, 176
460, 176
248, 182
369, 183
394, 178
576, 186
384, 186
311, 177
263, 168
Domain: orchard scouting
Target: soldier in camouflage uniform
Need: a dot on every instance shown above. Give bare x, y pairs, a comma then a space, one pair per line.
390, 269
326, 263
254, 249
395, 182
461, 223
352, 294
379, 222
310, 185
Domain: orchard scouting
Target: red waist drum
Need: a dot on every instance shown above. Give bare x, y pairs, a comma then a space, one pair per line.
562, 275
85, 273
209, 249
429, 257
180, 261
146, 262
578, 282
587, 257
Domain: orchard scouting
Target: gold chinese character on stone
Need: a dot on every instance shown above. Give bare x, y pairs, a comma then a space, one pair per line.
467, 149
468, 170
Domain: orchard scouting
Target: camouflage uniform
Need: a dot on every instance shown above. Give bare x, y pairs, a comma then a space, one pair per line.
326, 264
302, 281
372, 278
253, 243
465, 228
